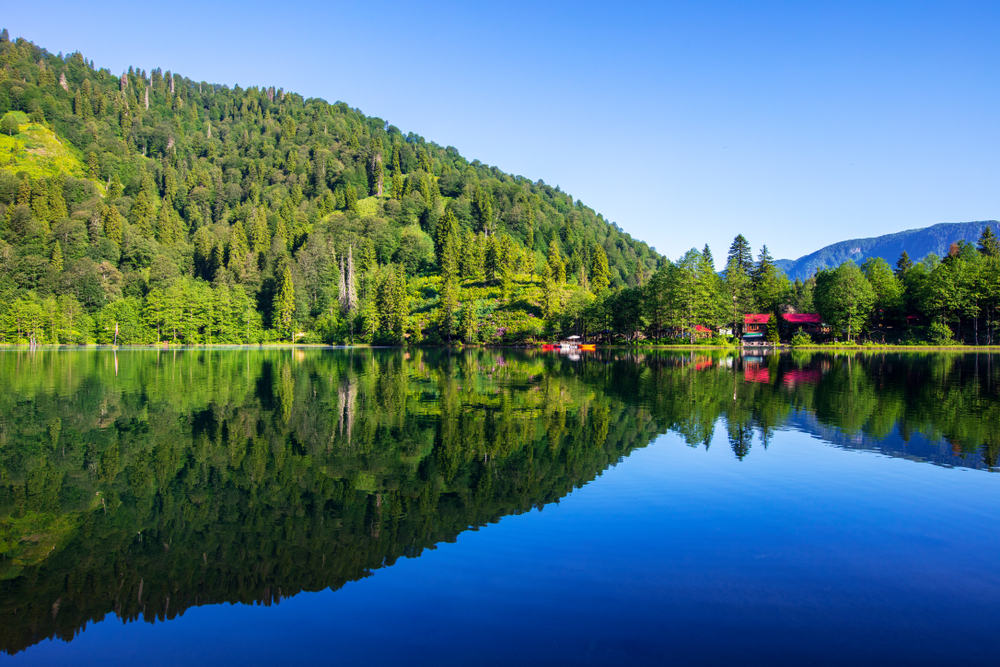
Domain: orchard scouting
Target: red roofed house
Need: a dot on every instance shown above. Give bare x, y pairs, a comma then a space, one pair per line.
808, 322
700, 331
755, 324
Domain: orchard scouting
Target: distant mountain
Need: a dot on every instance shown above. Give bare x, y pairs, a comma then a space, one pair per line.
918, 243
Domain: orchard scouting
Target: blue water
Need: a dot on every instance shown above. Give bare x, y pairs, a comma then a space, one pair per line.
802, 553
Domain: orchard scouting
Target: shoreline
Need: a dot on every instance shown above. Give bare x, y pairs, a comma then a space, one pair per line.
362, 346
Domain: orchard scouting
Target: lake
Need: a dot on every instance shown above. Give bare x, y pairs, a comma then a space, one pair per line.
270, 506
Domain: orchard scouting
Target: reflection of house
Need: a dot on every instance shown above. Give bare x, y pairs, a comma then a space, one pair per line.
757, 374
797, 376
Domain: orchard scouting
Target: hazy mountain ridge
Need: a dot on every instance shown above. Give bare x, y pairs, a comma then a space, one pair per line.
918, 243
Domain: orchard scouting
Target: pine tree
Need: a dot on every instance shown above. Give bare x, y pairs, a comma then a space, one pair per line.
116, 190
398, 184
352, 283
989, 245
600, 274
740, 255
765, 281
376, 171
24, 192
57, 257
40, 202
773, 328
260, 235
57, 203
113, 224
468, 323
554, 266
284, 305
903, 264
238, 247
492, 259
141, 214
446, 230
342, 288
507, 267
446, 311
166, 228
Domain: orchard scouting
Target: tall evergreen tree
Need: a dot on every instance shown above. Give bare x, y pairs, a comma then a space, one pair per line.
284, 305
600, 274
989, 245
903, 264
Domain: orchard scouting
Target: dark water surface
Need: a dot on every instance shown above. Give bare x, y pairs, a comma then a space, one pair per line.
271, 506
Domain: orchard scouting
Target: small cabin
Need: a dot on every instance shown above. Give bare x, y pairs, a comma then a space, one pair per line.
755, 325
810, 323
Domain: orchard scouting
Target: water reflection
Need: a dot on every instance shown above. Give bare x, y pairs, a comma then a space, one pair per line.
147, 482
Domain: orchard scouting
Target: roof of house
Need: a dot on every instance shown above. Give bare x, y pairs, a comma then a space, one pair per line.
803, 318
701, 329
791, 318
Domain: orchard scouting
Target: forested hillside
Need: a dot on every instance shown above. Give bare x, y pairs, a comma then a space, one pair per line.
147, 207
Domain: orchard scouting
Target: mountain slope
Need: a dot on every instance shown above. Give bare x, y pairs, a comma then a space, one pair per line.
174, 184
918, 243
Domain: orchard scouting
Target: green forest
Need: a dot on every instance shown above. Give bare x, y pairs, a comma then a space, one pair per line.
147, 207
143, 482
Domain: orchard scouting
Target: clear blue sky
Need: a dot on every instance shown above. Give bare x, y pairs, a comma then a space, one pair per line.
798, 124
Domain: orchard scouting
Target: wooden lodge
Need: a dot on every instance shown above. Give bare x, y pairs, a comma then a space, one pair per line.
755, 326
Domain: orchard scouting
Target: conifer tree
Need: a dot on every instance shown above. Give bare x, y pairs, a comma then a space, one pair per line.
446, 312
507, 267
989, 245
141, 214
116, 190
740, 255
24, 192
342, 288
468, 323
260, 235
113, 224
765, 282
903, 264
40, 202
555, 266
57, 257
238, 247
492, 258
284, 305
377, 172
447, 229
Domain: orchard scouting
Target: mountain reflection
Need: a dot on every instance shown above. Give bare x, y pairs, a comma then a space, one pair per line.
141, 483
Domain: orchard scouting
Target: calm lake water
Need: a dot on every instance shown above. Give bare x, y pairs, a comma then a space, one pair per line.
272, 506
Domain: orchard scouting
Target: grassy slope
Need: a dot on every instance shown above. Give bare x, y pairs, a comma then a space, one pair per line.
37, 151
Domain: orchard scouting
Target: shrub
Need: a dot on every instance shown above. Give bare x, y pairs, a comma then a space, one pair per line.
801, 338
940, 333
